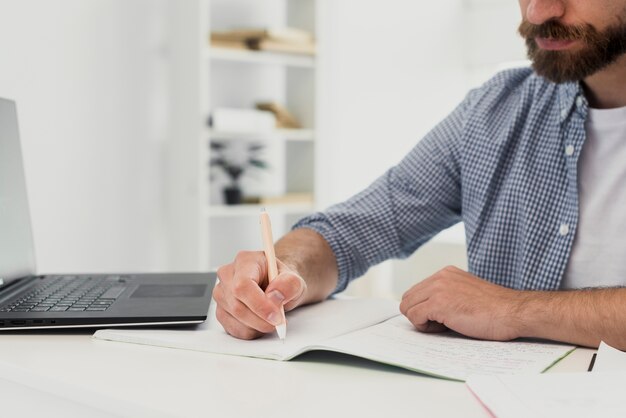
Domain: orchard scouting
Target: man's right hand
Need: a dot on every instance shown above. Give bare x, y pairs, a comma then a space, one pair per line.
247, 305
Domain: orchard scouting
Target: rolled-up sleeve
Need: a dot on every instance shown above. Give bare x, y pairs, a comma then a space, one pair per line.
402, 209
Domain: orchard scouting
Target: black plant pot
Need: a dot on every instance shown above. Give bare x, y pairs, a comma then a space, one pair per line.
232, 195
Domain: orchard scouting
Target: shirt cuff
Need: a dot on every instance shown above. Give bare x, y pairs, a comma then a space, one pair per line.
318, 223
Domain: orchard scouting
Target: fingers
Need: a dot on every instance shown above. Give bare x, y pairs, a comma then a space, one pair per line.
239, 294
433, 327
235, 327
243, 307
250, 265
421, 303
245, 317
423, 319
437, 283
287, 289
417, 309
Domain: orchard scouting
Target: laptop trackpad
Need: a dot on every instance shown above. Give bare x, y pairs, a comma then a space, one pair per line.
169, 291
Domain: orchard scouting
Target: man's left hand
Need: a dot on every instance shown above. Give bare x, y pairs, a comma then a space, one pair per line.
455, 299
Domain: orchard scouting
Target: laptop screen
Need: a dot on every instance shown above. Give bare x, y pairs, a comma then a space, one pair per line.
17, 254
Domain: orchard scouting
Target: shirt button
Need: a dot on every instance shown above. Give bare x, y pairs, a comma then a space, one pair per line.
564, 113
564, 229
569, 150
579, 101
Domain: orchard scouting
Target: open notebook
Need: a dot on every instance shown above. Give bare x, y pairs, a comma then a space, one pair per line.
368, 328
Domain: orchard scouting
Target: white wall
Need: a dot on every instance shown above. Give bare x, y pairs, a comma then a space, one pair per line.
90, 80
390, 70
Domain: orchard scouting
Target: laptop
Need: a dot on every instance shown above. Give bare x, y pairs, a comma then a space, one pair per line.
29, 300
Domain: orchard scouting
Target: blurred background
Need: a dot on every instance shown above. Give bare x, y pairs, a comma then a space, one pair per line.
153, 131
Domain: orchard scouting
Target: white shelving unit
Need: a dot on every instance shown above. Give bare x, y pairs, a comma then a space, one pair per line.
302, 135
235, 78
260, 57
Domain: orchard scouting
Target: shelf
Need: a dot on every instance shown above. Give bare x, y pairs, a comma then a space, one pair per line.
296, 135
239, 78
260, 57
230, 211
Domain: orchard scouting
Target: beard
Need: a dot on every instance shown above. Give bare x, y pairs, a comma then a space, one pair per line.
599, 50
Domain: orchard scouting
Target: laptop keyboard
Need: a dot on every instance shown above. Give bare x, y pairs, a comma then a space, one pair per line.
71, 294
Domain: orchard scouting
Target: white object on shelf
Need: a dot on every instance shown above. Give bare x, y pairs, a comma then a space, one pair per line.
243, 120
285, 134
260, 57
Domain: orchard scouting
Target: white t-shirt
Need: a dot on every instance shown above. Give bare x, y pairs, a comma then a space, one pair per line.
598, 257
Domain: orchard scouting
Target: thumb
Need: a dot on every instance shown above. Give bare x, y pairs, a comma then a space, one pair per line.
287, 289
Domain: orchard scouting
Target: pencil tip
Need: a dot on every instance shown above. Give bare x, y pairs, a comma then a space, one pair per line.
281, 330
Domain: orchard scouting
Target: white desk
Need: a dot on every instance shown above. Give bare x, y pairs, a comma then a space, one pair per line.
193, 384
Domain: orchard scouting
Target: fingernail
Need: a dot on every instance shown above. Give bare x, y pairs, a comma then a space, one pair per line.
276, 297
275, 318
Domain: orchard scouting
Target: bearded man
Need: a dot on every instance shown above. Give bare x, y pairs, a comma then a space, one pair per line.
534, 164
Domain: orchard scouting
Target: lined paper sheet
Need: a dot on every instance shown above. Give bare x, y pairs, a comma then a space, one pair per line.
447, 354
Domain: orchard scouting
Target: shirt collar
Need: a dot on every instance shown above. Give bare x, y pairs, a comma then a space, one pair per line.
571, 96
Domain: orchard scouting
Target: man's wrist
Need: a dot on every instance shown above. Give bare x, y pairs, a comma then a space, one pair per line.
543, 314
522, 313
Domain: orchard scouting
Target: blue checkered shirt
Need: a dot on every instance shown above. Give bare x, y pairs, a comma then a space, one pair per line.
501, 163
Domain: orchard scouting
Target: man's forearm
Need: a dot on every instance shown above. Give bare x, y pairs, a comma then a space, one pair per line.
582, 317
308, 253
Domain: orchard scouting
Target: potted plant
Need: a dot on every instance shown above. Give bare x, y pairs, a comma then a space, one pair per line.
235, 166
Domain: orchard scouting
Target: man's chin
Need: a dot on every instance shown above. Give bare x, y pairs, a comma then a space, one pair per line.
562, 66
553, 70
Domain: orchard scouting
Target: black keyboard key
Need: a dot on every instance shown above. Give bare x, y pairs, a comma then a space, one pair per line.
58, 309
40, 309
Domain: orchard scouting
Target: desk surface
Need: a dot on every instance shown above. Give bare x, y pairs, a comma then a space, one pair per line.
193, 384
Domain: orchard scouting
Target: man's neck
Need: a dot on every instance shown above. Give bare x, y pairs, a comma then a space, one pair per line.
606, 89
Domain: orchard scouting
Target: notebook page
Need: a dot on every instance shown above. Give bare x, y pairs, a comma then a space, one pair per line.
571, 395
306, 326
609, 359
447, 355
